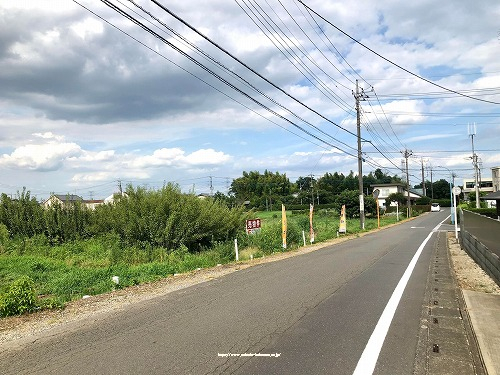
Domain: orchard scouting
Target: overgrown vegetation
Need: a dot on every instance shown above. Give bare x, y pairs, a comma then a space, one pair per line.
49, 256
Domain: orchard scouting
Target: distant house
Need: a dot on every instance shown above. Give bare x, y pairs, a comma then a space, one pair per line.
388, 189
93, 203
62, 200
111, 199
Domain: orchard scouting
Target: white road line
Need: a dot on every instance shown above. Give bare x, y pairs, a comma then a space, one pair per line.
368, 360
437, 226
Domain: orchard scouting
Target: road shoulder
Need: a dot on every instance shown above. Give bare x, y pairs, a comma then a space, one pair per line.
480, 297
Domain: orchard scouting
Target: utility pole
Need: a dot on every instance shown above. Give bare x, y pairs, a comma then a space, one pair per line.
472, 133
423, 178
360, 95
312, 190
432, 186
407, 154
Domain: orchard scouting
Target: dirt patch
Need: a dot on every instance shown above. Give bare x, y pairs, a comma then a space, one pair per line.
469, 275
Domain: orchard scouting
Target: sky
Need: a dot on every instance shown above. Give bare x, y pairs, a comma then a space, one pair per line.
89, 99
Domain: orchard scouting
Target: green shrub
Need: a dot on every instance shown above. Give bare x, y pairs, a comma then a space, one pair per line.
20, 297
4, 237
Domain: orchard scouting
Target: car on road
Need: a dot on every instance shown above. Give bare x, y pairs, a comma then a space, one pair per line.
435, 207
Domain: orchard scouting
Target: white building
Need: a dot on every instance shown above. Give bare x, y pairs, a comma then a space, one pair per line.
388, 189
486, 185
495, 178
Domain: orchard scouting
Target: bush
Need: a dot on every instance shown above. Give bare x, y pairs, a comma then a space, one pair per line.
20, 298
489, 212
4, 237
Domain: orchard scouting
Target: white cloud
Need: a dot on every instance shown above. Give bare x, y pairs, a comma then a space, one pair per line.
41, 157
88, 28
428, 137
176, 157
62, 69
207, 157
49, 135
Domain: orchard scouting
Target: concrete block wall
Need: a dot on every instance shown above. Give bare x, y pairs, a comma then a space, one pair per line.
487, 260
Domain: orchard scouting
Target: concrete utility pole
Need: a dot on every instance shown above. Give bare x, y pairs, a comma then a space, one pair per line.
360, 95
472, 133
407, 154
432, 186
423, 178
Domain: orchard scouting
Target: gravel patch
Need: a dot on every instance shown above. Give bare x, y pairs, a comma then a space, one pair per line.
470, 275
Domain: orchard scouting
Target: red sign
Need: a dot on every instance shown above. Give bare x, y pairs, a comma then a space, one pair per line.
253, 225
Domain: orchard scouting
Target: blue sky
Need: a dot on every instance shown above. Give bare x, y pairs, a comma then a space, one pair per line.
83, 105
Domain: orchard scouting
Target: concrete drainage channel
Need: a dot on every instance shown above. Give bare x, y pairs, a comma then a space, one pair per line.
446, 342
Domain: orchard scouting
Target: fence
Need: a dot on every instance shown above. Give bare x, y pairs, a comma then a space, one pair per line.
480, 238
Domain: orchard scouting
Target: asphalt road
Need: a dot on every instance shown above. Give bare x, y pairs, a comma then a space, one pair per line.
310, 314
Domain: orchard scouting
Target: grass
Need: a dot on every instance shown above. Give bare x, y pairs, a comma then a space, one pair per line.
69, 271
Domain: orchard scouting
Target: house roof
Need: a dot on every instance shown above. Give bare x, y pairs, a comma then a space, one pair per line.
68, 197
492, 196
393, 184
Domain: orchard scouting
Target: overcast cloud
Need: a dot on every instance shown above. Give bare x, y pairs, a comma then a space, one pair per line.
84, 105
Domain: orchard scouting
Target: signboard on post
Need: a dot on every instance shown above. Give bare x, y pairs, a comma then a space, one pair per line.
342, 225
253, 226
283, 225
376, 193
456, 191
311, 229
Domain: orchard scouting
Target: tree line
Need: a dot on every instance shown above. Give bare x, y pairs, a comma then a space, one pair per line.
268, 190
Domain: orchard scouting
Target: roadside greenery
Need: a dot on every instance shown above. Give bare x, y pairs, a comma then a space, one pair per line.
49, 256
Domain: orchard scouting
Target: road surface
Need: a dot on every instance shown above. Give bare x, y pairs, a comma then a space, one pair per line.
309, 314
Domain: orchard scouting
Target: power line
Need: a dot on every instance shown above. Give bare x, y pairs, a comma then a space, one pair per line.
250, 68
290, 55
239, 77
199, 78
232, 86
393, 63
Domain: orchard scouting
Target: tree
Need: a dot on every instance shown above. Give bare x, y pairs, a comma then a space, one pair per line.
229, 200
262, 190
441, 189
400, 198
303, 187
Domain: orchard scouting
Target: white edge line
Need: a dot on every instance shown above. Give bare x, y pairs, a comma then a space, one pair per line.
369, 357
